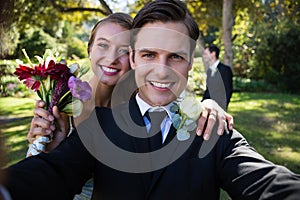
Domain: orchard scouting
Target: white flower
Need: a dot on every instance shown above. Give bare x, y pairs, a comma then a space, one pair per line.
187, 113
191, 107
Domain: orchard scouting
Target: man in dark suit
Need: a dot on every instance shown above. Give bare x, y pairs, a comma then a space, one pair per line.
219, 77
114, 146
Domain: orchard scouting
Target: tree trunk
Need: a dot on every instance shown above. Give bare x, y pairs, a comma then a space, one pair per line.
227, 23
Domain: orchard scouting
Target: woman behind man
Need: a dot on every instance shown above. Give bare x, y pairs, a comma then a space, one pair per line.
108, 53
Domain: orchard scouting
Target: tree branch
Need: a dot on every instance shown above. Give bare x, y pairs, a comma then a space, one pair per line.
105, 11
105, 6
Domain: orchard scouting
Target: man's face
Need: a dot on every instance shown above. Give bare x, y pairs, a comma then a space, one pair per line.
162, 59
207, 57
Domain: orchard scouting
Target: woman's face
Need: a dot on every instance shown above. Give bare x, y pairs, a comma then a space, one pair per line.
109, 52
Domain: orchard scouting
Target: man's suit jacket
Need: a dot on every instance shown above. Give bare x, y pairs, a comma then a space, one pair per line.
219, 87
230, 164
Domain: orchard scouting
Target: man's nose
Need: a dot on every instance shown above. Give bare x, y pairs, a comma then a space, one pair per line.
162, 68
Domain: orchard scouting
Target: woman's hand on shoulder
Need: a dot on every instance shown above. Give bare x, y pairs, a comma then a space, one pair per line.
209, 116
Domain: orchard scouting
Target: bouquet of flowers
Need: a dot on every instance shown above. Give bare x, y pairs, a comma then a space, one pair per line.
187, 112
57, 85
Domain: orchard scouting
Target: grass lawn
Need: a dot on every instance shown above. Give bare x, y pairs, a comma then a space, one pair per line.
15, 118
270, 122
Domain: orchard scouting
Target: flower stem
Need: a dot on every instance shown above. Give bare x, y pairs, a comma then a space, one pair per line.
184, 117
27, 58
44, 94
65, 95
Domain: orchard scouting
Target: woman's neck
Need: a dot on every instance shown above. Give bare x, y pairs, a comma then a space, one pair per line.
102, 93
103, 96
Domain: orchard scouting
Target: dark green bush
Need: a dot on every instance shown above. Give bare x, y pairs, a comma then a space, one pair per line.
248, 85
35, 41
277, 57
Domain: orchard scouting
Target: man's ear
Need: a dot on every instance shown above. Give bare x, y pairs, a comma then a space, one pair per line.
131, 58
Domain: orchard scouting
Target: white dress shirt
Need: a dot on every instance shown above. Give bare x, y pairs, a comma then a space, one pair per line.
166, 123
213, 67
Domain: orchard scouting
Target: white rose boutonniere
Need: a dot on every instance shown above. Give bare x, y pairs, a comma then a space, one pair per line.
187, 113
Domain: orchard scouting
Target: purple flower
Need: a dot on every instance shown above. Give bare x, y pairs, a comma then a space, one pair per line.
79, 89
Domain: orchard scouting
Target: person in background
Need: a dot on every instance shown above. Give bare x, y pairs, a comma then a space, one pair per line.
219, 77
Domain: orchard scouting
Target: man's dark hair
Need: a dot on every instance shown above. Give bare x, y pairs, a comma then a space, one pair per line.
165, 11
214, 48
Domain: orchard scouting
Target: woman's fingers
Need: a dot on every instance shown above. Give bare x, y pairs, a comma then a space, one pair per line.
222, 124
41, 123
62, 119
39, 126
202, 121
212, 118
41, 112
39, 104
229, 120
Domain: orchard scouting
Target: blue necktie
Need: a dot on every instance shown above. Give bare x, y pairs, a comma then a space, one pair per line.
155, 135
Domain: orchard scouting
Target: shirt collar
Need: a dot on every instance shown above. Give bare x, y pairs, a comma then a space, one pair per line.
144, 107
213, 67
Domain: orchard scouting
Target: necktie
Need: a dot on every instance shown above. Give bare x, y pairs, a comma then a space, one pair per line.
155, 137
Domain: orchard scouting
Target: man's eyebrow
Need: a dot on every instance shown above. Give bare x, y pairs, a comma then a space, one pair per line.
181, 53
145, 50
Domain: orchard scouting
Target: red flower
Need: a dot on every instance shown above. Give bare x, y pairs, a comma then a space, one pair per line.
32, 76
24, 72
57, 71
32, 84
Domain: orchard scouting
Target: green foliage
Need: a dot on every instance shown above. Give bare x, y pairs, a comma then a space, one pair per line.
8, 39
9, 84
277, 58
197, 77
76, 47
35, 41
249, 85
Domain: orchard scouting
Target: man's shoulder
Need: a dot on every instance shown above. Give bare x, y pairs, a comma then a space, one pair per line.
223, 66
224, 69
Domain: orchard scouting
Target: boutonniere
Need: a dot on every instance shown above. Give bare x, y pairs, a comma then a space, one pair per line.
187, 112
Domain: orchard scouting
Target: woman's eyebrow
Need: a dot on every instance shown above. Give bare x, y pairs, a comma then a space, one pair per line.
101, 38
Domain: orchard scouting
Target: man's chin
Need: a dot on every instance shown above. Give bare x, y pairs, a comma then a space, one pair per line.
161, 101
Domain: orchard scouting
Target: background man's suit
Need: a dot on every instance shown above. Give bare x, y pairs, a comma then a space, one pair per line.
232, 164
219, 86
